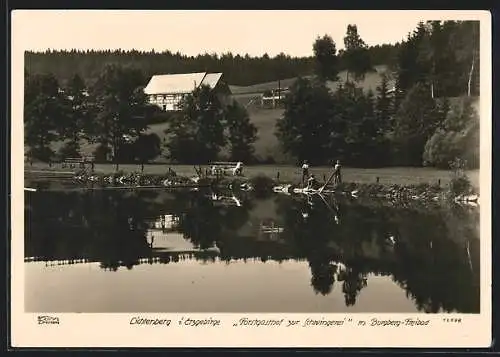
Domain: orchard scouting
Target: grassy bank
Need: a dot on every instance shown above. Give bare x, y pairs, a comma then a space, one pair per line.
393, 175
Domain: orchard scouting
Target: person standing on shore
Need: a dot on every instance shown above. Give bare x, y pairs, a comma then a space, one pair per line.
312, 183
305, 172
337, 172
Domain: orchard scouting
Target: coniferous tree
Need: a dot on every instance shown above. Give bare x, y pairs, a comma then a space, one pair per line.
356, 56
411, 69
384, 105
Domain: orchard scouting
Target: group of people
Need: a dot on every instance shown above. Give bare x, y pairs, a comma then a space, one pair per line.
312, 183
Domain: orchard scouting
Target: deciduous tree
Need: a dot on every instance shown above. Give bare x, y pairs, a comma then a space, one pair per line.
325, 57
456, 138
119, 107
44, 107
196, 134
415, 121
71, 126
305, 128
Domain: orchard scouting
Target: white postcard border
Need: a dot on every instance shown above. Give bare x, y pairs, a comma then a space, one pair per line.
115, 330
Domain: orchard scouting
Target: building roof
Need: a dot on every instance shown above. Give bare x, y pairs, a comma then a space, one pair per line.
211, 79
180, 83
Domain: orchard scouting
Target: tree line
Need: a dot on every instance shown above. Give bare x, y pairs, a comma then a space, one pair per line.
416, 124
238, 70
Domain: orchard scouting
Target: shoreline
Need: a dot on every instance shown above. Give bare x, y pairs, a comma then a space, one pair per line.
260, 184
279, 173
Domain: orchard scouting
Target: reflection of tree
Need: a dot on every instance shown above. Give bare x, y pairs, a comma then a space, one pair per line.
111, 226
107, 226
426, 254
235, 217
433, 264
353, 281
201, 222
431, 253
323, 274
307, 227
205, 224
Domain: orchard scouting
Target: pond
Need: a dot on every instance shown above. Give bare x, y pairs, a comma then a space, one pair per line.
159, 251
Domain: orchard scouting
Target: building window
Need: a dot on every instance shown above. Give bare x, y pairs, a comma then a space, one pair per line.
164, 107
171, 99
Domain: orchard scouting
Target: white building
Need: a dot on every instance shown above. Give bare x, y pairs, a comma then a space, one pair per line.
168, 90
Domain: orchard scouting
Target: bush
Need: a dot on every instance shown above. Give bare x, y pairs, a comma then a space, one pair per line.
147, 147
458, 137
276, 155
69, 149
263, 185
101, 153
460, 183
44, 154
160, 116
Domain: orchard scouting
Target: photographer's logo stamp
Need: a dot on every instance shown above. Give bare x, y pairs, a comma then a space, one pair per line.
48, 320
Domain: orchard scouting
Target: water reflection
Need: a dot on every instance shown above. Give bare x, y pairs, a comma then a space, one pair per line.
430, 253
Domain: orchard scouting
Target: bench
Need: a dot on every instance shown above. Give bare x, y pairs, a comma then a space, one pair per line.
72, 162
221, 168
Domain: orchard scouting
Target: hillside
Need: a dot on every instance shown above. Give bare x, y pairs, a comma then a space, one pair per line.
370, 82
261, 87
265, 119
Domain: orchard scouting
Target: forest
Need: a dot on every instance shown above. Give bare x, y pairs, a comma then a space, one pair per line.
428, 120
238, 70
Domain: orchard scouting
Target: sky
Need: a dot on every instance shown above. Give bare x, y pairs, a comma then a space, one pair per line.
194, 32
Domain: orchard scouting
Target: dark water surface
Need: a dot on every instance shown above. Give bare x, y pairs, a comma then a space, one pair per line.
158, 251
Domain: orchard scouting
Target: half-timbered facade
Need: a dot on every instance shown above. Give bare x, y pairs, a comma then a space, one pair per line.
168, 90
